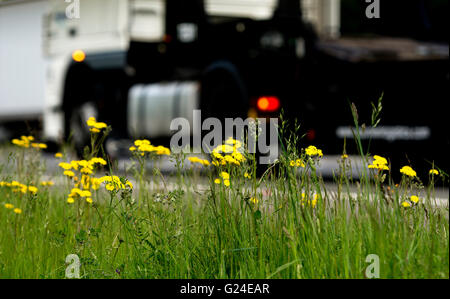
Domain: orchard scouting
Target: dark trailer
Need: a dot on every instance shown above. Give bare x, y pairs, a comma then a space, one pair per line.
402, 56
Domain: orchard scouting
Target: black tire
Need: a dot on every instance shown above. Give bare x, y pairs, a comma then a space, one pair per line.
77, 130
223, 92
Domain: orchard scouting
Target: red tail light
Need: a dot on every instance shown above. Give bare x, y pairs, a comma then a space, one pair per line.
268, 104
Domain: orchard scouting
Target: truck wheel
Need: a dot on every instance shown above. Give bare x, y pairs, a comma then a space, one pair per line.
223, 92
78, 130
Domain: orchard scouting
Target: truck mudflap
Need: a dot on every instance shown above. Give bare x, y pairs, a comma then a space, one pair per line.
152, 107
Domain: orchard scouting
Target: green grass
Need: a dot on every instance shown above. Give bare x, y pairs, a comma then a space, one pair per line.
219, 232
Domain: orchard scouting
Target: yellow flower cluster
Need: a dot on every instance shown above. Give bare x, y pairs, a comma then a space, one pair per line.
94, 126
26, 142
11, 207
297, 163
247, 175
84, 166
114, 183
18, 187
144, 146
197, 160
309, 202
86, 183
228, 153
379, 163
47, 183
225, 178
313, 151
58, 155
84, 179
413, 200
407, 170
78, 193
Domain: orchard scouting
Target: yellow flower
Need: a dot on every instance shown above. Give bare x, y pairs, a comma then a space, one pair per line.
91, 121
132, 148
16, 142
225, 175
94, 130
97, 161
379, 163
58, 155
76, 192
292, 163
33, 189
95, 183
75, 164
70, 200
142, 142
414, 199
226, 183
434, 172
408, 171
299, 163
161, 150
217, 181
194, 159
344, 156
199, 161
95, 127
65, 166
69, 173
313, 151
246, 175
254, 200
85, 181
310, 202
89, 200
234, 142
85, 193
109, 187
100, 125
17, 211
231, 160
86, 170
406, 204
23, 189
9, 206
129, 184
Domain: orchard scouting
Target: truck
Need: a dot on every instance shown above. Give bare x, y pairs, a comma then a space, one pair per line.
22, 63
237, 50
138, 64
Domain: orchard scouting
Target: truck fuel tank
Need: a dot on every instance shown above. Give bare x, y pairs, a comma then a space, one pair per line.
152, 107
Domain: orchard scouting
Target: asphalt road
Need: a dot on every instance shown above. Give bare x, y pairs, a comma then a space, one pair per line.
328, 165
326, 168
